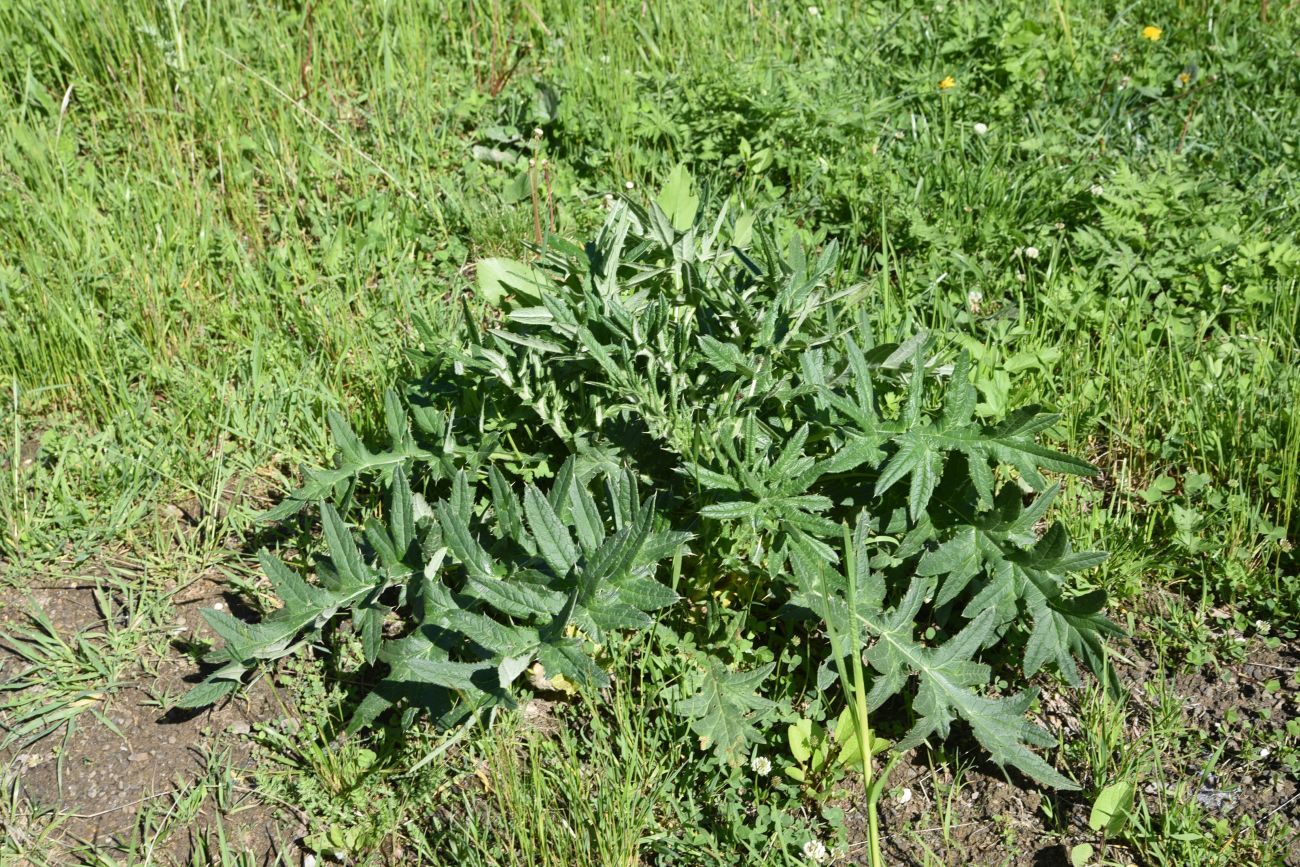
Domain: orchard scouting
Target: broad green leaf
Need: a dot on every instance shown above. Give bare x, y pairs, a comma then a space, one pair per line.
499, 278
799, 735
462, 543
1111, 810
553, 540
452, 675
731, 510
725, 709
678, 198
208, 692
344, 553
511, 667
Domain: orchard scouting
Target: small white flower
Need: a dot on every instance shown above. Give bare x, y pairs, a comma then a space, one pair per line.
815, 850
629, 185
904, 796
1031, 252
980, 128
537, 132
814, 11
974, 299
1020, 275
761, 765
1096, 190
1265, 752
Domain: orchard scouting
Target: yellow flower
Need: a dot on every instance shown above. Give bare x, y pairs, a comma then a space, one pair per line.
1152, 33
948, 83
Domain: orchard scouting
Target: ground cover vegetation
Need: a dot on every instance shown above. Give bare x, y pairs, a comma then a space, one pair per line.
551, 433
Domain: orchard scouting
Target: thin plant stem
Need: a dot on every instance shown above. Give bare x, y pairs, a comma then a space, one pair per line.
861, 722
855, 692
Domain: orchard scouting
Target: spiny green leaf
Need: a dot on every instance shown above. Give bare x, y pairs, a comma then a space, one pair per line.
726, 707
452, 675
553, 540
207, 693
344, 553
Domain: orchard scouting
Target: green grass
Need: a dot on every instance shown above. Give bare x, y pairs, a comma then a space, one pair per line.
220, 221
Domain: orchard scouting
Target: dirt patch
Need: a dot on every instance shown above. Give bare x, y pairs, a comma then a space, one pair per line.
134, 755
1235, 760
1246, 707
929, 814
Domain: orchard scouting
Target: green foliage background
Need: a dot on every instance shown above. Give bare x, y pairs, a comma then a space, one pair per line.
219, 223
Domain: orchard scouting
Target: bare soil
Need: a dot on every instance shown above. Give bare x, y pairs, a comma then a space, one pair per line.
101, 781
992, 820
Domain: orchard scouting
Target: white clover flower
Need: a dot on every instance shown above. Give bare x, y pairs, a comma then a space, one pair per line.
1096, 190
813, 11
629, 185
815, 850
981, 128
761, 765
1031, 252
974, 299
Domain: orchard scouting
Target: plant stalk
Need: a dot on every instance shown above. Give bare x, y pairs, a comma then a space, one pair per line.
861, 722
855, 692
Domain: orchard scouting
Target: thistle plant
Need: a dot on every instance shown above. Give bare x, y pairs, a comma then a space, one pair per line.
728, 371
456, 600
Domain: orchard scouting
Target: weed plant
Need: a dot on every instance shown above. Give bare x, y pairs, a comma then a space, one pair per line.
689, 353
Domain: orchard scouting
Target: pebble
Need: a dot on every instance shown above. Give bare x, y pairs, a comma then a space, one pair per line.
138, 757
239, 728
